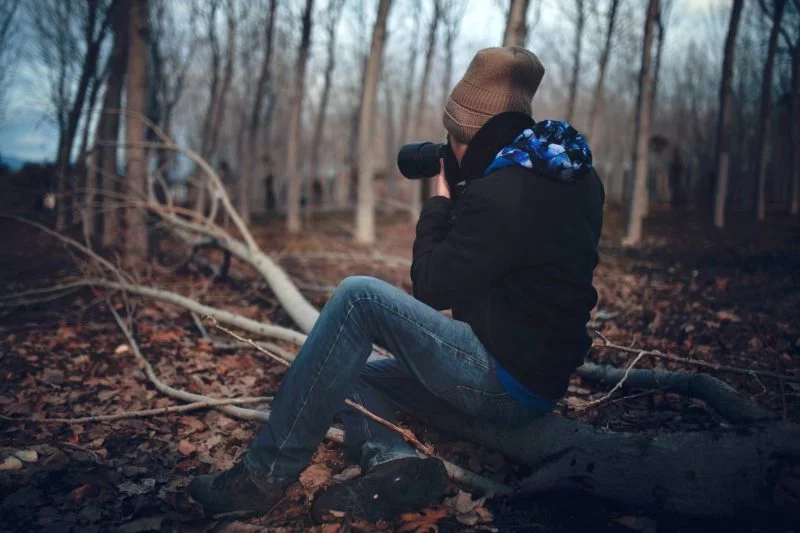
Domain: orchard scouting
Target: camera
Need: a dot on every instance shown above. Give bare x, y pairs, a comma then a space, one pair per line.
420, 159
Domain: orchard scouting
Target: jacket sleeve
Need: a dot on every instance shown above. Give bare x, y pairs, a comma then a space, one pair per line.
452, 262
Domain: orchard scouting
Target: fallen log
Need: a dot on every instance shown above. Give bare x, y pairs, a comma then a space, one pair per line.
708, 473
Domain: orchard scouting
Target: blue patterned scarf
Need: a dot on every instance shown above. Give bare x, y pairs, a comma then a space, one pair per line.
550, 148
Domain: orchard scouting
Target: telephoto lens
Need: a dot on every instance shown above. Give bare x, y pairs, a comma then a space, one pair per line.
420, 160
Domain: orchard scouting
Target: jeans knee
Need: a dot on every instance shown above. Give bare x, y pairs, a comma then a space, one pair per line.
353, 287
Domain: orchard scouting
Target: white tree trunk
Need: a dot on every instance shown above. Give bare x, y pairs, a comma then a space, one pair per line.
293, 223
642, 134
365, 210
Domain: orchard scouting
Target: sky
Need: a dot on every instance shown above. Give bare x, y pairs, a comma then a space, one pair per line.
27, 133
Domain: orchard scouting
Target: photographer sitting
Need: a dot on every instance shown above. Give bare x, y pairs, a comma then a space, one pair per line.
512, 256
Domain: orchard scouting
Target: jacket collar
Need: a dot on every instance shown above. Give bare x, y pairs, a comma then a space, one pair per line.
496, 134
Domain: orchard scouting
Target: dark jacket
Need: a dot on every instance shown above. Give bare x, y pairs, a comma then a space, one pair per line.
514, 258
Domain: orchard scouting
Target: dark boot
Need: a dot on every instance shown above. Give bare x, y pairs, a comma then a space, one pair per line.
235, 493
386, 491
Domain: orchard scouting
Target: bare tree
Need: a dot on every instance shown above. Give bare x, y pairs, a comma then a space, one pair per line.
794, 109
422, 103
775, 11
105, 156
8, 56
332, 17
69, 37
135, 154
227, 76
516, 31
638, 208
292, 164
725, 115
172, 49
452, 15
580, 23
594, 116
365, 210
251, 154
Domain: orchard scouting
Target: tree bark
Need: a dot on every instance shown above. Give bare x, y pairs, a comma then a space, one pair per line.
708, 473
762, 129
295, 175
227, 77
333, 16
365, 210
110, 121
516, 31
725, 116
594, 118
661, 27
136, 157
794, 208
88, 199
580, 22
246, 178
638, 208
418, 188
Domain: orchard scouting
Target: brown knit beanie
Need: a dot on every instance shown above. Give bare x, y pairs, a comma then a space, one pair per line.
497, 80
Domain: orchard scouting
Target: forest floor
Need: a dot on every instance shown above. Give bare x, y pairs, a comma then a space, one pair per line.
730, 298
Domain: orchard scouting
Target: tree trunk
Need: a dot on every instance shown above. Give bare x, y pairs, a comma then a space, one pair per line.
333, 16
657, 68
725, 116
107, 155
227, 78
794, 208
516, 28
708, 473
580, 22
136, 157
638, 208
762, 130
594, 119
417, 188
365, 210
292, 156
67, 139
213, 41
246, 178
391, 149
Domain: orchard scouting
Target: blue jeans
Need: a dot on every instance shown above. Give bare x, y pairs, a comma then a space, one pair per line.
439, 366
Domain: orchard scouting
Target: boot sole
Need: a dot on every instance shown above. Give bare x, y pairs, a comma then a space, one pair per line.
387, 491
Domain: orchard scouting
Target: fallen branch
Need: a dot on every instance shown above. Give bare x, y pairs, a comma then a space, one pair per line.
143, 413
695, 362
720, 396
616, 387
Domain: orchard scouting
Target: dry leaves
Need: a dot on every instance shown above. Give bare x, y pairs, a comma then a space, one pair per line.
314, 477
424, 521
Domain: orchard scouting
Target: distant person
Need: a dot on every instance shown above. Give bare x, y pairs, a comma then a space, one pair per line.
513, 257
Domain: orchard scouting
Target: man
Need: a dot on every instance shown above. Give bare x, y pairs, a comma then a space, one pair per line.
513, 258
